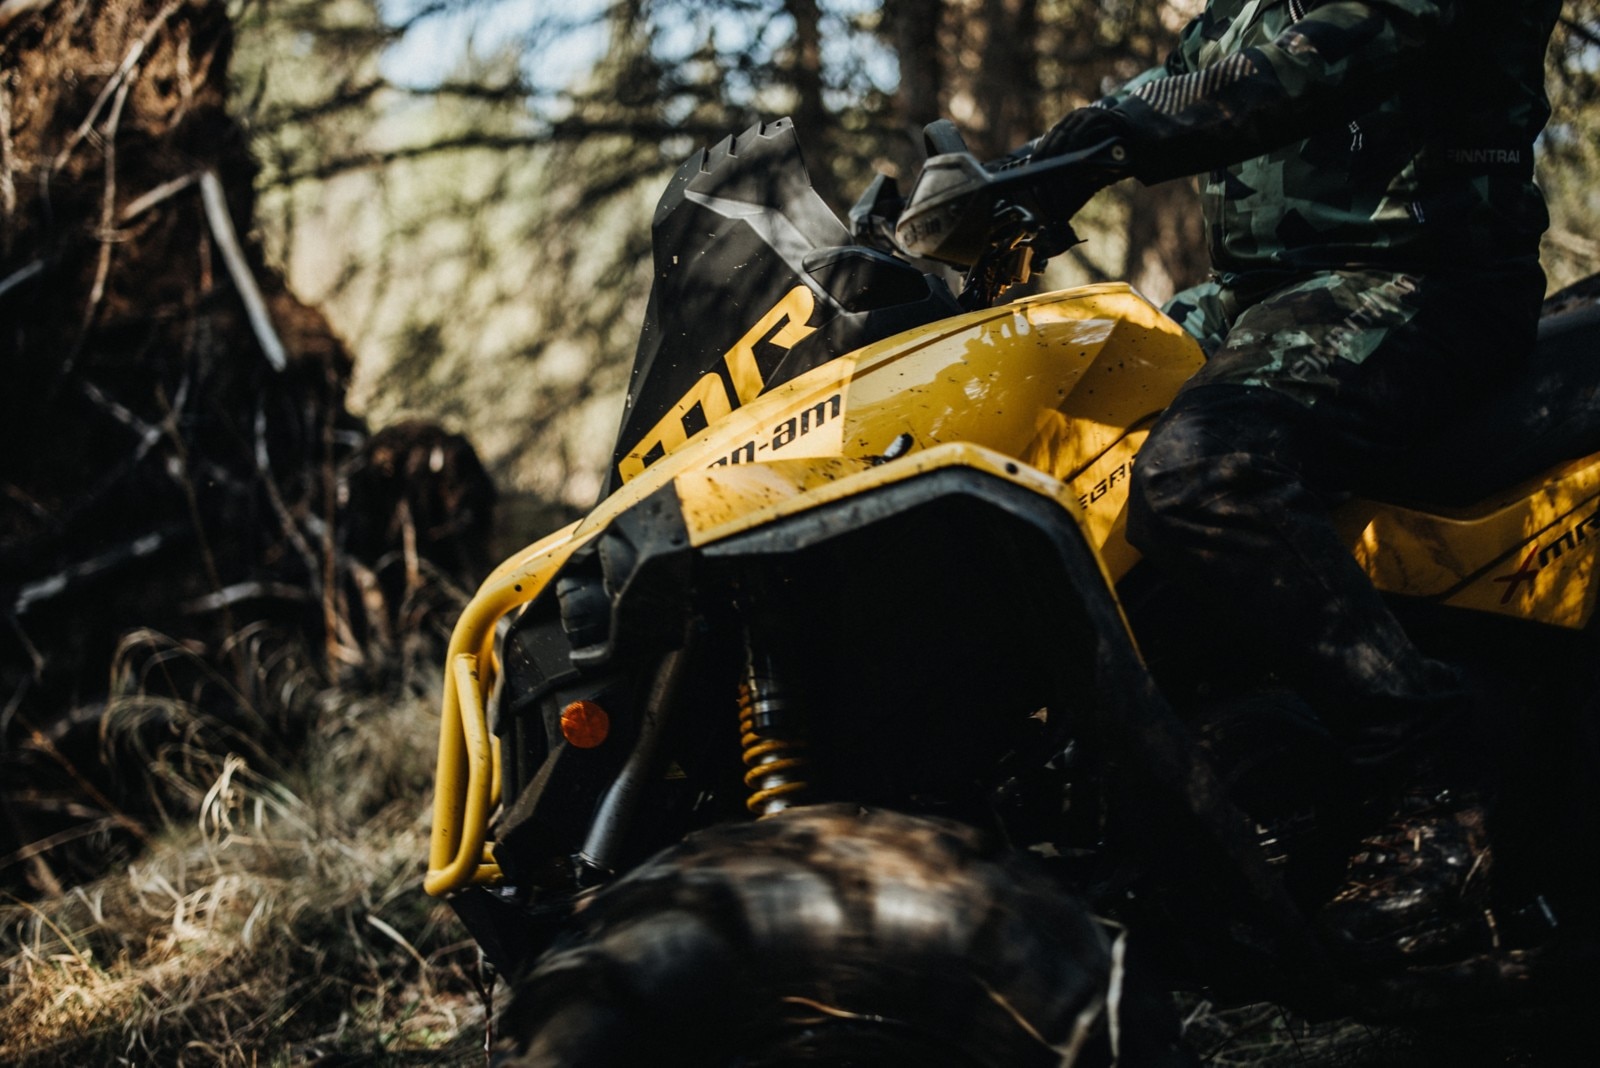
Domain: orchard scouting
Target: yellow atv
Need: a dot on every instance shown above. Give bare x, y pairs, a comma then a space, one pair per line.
847, 729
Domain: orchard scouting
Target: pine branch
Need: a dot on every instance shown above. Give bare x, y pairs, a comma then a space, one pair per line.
567, 132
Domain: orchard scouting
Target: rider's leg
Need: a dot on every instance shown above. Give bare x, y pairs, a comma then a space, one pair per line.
1314, 392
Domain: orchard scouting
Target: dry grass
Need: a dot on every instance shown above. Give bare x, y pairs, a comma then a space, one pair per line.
1267, 1036
278, 916
283, 924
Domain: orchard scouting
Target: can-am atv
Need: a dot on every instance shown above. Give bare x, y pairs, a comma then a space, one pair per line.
826, 736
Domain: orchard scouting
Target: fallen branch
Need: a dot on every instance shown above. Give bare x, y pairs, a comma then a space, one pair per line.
291, 529
373, 604
408, 542
43, 876
12, 10
182, 474
16, 278
35, 660
49, 588
47, 747
147, 433
164, 191
216, 205
14, 703
8, 186
102, 270
71, 834
245, 591
114, 84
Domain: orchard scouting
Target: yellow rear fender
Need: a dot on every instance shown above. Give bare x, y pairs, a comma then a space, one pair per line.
1528, 552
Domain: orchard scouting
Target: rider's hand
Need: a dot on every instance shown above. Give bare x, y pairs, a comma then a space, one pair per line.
1102, 135
1083, 129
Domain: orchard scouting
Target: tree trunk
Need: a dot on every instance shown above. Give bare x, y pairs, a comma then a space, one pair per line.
912, 30
811, 116
1166, 249
1006, 86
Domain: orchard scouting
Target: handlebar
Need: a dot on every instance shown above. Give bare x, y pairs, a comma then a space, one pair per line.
1002, 219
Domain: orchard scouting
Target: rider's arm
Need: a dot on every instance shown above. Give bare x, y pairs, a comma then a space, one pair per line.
1179, 63
1338, 61
1102, 122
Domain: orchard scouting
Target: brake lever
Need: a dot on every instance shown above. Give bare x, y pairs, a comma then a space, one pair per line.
1011, 259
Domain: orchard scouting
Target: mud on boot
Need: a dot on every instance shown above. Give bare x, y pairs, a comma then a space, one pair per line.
1418, 888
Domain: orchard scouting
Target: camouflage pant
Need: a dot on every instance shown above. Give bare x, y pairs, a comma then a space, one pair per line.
1314, 388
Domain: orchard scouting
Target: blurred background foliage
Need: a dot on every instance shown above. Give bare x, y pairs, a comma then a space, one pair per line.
465, 186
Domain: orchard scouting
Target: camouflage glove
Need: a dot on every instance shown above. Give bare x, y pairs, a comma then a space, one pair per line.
1101, 137
1085, 129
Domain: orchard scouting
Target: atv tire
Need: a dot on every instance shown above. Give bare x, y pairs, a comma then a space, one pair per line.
832, 935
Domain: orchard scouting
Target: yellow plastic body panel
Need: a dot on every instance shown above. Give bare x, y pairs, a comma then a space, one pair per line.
1528, 552
1052, 380
722, 502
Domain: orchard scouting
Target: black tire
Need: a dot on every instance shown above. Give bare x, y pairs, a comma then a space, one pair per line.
831, 935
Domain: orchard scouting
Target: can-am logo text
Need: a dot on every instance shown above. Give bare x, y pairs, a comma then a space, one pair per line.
784, 325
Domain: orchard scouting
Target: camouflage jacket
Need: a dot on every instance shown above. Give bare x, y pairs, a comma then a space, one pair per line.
1353, 133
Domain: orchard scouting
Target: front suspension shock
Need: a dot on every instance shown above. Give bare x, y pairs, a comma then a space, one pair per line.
772, 736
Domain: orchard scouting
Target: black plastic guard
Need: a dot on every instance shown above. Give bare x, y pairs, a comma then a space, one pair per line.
728, 238
509, 934
731, 237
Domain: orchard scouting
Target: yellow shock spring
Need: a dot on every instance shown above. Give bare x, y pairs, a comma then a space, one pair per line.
776, 760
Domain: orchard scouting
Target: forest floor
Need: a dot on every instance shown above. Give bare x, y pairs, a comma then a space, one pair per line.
285, 924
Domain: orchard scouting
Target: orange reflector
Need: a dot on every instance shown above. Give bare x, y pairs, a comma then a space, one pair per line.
585, 724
